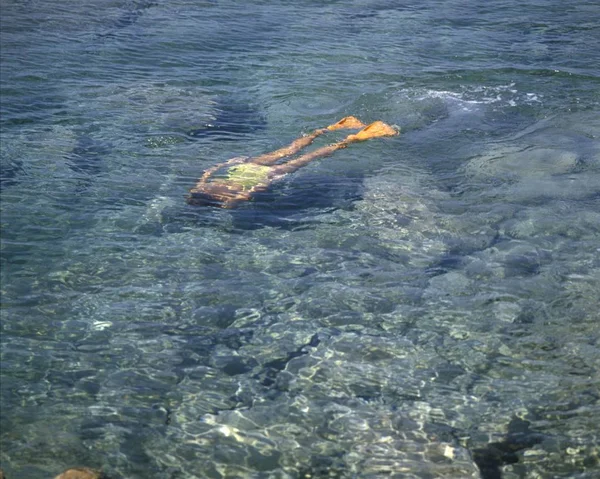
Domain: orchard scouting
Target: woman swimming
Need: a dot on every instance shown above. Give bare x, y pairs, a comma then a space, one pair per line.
228, 184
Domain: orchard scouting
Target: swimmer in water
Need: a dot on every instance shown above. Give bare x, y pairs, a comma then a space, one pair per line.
228, 184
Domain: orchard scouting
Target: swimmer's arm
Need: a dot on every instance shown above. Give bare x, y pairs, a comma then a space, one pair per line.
241, 196
237, 199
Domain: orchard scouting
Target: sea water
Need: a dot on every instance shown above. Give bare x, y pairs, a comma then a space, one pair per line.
421, 306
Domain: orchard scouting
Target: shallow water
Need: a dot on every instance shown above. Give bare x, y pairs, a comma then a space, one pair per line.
421, 306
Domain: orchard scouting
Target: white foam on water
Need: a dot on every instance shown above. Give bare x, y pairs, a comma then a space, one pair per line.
468, 98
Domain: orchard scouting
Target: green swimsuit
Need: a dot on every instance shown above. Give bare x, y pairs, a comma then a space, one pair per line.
249, 175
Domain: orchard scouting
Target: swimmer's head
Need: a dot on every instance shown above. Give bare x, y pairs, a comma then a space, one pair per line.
200, 199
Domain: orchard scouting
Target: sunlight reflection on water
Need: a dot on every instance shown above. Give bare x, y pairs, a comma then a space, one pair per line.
418, 306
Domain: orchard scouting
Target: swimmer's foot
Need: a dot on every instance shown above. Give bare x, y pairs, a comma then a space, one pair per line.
348, 122
374, 130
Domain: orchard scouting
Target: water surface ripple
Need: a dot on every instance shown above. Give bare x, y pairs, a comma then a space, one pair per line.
422, 306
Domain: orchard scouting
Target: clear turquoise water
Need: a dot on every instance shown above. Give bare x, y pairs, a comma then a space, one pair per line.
423, 306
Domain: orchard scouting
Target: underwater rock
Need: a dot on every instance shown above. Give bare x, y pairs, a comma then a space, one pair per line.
450, 284
403, 218
556, 163
576, 186
495, 455
522, 162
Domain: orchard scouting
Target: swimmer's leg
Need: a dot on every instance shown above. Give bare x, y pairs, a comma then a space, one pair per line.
374, 130
271, 158
347, 123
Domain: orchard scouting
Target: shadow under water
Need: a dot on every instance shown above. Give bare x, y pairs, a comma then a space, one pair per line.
10, 172
87, 156
288, 205
132, 11
491, 458
231, 120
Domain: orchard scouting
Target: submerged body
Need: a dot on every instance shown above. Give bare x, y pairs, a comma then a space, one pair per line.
237, 180
234, 181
